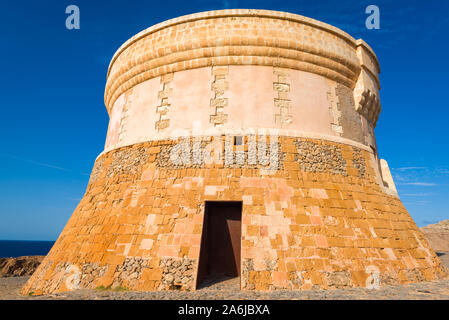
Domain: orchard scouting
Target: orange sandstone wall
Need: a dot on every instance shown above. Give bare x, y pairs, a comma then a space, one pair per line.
320, 221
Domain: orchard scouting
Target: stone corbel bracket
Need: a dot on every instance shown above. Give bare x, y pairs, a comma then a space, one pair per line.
369, 106
366, 91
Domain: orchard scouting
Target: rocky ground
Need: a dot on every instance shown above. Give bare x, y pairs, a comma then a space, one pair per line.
18, 267
228, 290
438, 235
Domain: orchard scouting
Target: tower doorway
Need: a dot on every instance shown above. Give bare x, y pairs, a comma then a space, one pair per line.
220, 243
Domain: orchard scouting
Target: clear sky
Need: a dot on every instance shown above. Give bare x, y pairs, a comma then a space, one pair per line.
54, 121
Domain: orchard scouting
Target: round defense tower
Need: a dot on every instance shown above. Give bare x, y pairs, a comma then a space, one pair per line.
240, 143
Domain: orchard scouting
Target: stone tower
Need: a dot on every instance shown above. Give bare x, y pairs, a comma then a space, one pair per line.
240, 143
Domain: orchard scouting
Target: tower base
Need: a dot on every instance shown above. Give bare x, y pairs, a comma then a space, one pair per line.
321, 220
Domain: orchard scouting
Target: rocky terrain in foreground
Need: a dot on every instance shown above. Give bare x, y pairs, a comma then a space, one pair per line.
19, 267
16, 271
228, 290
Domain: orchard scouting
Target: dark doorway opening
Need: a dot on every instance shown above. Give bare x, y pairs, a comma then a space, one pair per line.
220, 243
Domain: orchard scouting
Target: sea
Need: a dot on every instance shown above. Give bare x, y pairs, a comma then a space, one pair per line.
13, 248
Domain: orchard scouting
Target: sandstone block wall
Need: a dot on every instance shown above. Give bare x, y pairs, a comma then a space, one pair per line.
320, 209
322, 221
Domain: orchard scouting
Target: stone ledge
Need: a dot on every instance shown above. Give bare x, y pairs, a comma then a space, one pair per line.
233, 13
237, 132
154, 56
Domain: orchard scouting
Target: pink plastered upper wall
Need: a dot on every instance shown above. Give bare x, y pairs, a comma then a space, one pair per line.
251, 97
114, 122
190, 100
251, 104
310, 104
141, 115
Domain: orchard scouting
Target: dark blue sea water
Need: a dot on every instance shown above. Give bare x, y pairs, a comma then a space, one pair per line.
11, 248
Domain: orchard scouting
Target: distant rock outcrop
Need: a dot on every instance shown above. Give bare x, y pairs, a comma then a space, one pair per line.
438, 236
18, 267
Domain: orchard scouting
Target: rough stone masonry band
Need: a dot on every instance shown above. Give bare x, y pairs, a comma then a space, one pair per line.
258, 87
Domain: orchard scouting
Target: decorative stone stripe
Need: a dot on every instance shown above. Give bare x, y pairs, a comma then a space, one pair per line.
219, 102
196, 152
164, 105
177, 274
334, 109
315, 157
282, 87
125, 114
248, 131
98, 167
358, 162
126, 162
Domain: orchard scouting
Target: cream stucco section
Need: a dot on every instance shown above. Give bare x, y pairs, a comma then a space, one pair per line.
250, 92
114, 122
141, 114
190, 99
251, 97
310, 105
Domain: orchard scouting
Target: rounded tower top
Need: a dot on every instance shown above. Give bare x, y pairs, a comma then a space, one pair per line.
245, 52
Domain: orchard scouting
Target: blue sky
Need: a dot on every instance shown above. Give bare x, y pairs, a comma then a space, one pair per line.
54, 121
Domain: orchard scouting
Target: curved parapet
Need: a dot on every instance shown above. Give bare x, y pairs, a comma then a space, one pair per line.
232, 70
